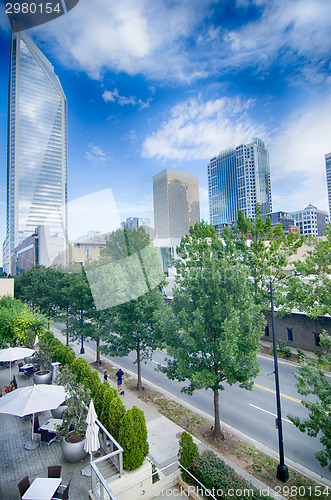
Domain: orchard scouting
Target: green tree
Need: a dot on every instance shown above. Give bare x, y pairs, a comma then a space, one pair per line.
131, 268
38, 287
265, 250
133, 438
18, 324
213, 330
313, 381
310, 290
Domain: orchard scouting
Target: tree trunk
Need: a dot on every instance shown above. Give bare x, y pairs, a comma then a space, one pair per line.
139, 368
98, 360
217, 424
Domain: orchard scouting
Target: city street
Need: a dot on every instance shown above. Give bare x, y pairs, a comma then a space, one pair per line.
251, 412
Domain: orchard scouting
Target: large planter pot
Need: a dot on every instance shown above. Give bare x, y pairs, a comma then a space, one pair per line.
42, 377
73, 452
57, 412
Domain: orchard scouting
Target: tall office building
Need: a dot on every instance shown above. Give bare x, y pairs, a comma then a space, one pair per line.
328, 178
176, 203
238, 178
37, 148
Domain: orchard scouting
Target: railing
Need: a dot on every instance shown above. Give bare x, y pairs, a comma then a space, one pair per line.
100, 486
165, 485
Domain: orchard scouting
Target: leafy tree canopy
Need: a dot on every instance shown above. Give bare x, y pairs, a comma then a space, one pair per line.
212, 331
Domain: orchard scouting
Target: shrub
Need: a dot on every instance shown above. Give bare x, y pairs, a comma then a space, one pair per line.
98, 398
116, 414
133, 438
188, 450
108, 395
213, 473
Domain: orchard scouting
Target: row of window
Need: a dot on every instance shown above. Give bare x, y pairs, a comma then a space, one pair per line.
289, 332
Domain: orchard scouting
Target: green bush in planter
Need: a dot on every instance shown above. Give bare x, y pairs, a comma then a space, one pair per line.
116, 413
213, 473
188, 450
81, 369
108, 395
133, 438
98, 398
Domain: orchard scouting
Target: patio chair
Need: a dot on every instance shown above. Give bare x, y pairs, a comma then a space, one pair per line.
54, 471
20, 368
62, 493
45, 436
23, 485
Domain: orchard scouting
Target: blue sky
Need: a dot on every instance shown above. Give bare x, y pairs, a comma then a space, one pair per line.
154, 84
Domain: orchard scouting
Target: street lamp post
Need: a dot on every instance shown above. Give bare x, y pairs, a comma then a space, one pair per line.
82, 350
282, 470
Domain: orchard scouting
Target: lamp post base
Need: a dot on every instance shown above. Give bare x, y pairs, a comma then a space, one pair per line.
82, 350
282, 473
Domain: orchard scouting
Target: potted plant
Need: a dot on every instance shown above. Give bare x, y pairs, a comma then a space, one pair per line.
42, 359
73, 425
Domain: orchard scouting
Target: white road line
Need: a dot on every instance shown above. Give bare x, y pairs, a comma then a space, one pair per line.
265, 411
164, 366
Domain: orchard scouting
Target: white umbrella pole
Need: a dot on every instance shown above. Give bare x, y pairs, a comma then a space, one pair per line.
32, 427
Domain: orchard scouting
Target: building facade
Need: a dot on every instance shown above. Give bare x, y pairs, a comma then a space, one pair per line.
135, 222
40, 248
36, 149
328, 179
311, 220
176, 203
238, 179
284, 218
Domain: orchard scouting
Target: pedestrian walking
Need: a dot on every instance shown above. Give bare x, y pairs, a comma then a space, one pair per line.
119, 375
105, 375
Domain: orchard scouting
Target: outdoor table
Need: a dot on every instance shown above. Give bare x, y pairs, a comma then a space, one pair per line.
42, 488
27, 366
51, 425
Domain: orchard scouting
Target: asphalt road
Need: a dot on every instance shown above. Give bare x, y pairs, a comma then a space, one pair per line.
251, 412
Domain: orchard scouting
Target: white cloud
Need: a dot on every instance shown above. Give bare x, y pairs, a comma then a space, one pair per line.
185, 41
114, 96
198, 130
297, 157
95, 154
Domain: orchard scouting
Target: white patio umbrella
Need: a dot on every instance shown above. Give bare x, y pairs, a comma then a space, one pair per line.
15, 353
30, 400
92, 442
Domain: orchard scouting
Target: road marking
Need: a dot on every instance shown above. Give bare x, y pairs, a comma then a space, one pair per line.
265, 411
274, 392
164, 366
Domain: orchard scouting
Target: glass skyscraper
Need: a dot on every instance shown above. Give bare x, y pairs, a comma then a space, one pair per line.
238, 179
37, 147
328, 178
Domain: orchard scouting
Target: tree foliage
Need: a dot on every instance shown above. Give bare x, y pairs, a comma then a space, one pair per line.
133, 320
310, 291
133, 438
18, 324
213, 329
313, 381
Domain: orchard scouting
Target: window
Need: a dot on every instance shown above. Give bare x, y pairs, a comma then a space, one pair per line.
266, 331
289, 334
317, 339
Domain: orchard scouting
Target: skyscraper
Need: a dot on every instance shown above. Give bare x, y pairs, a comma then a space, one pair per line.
328, 178
176, 203
311, 220
238, 178
36, 149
